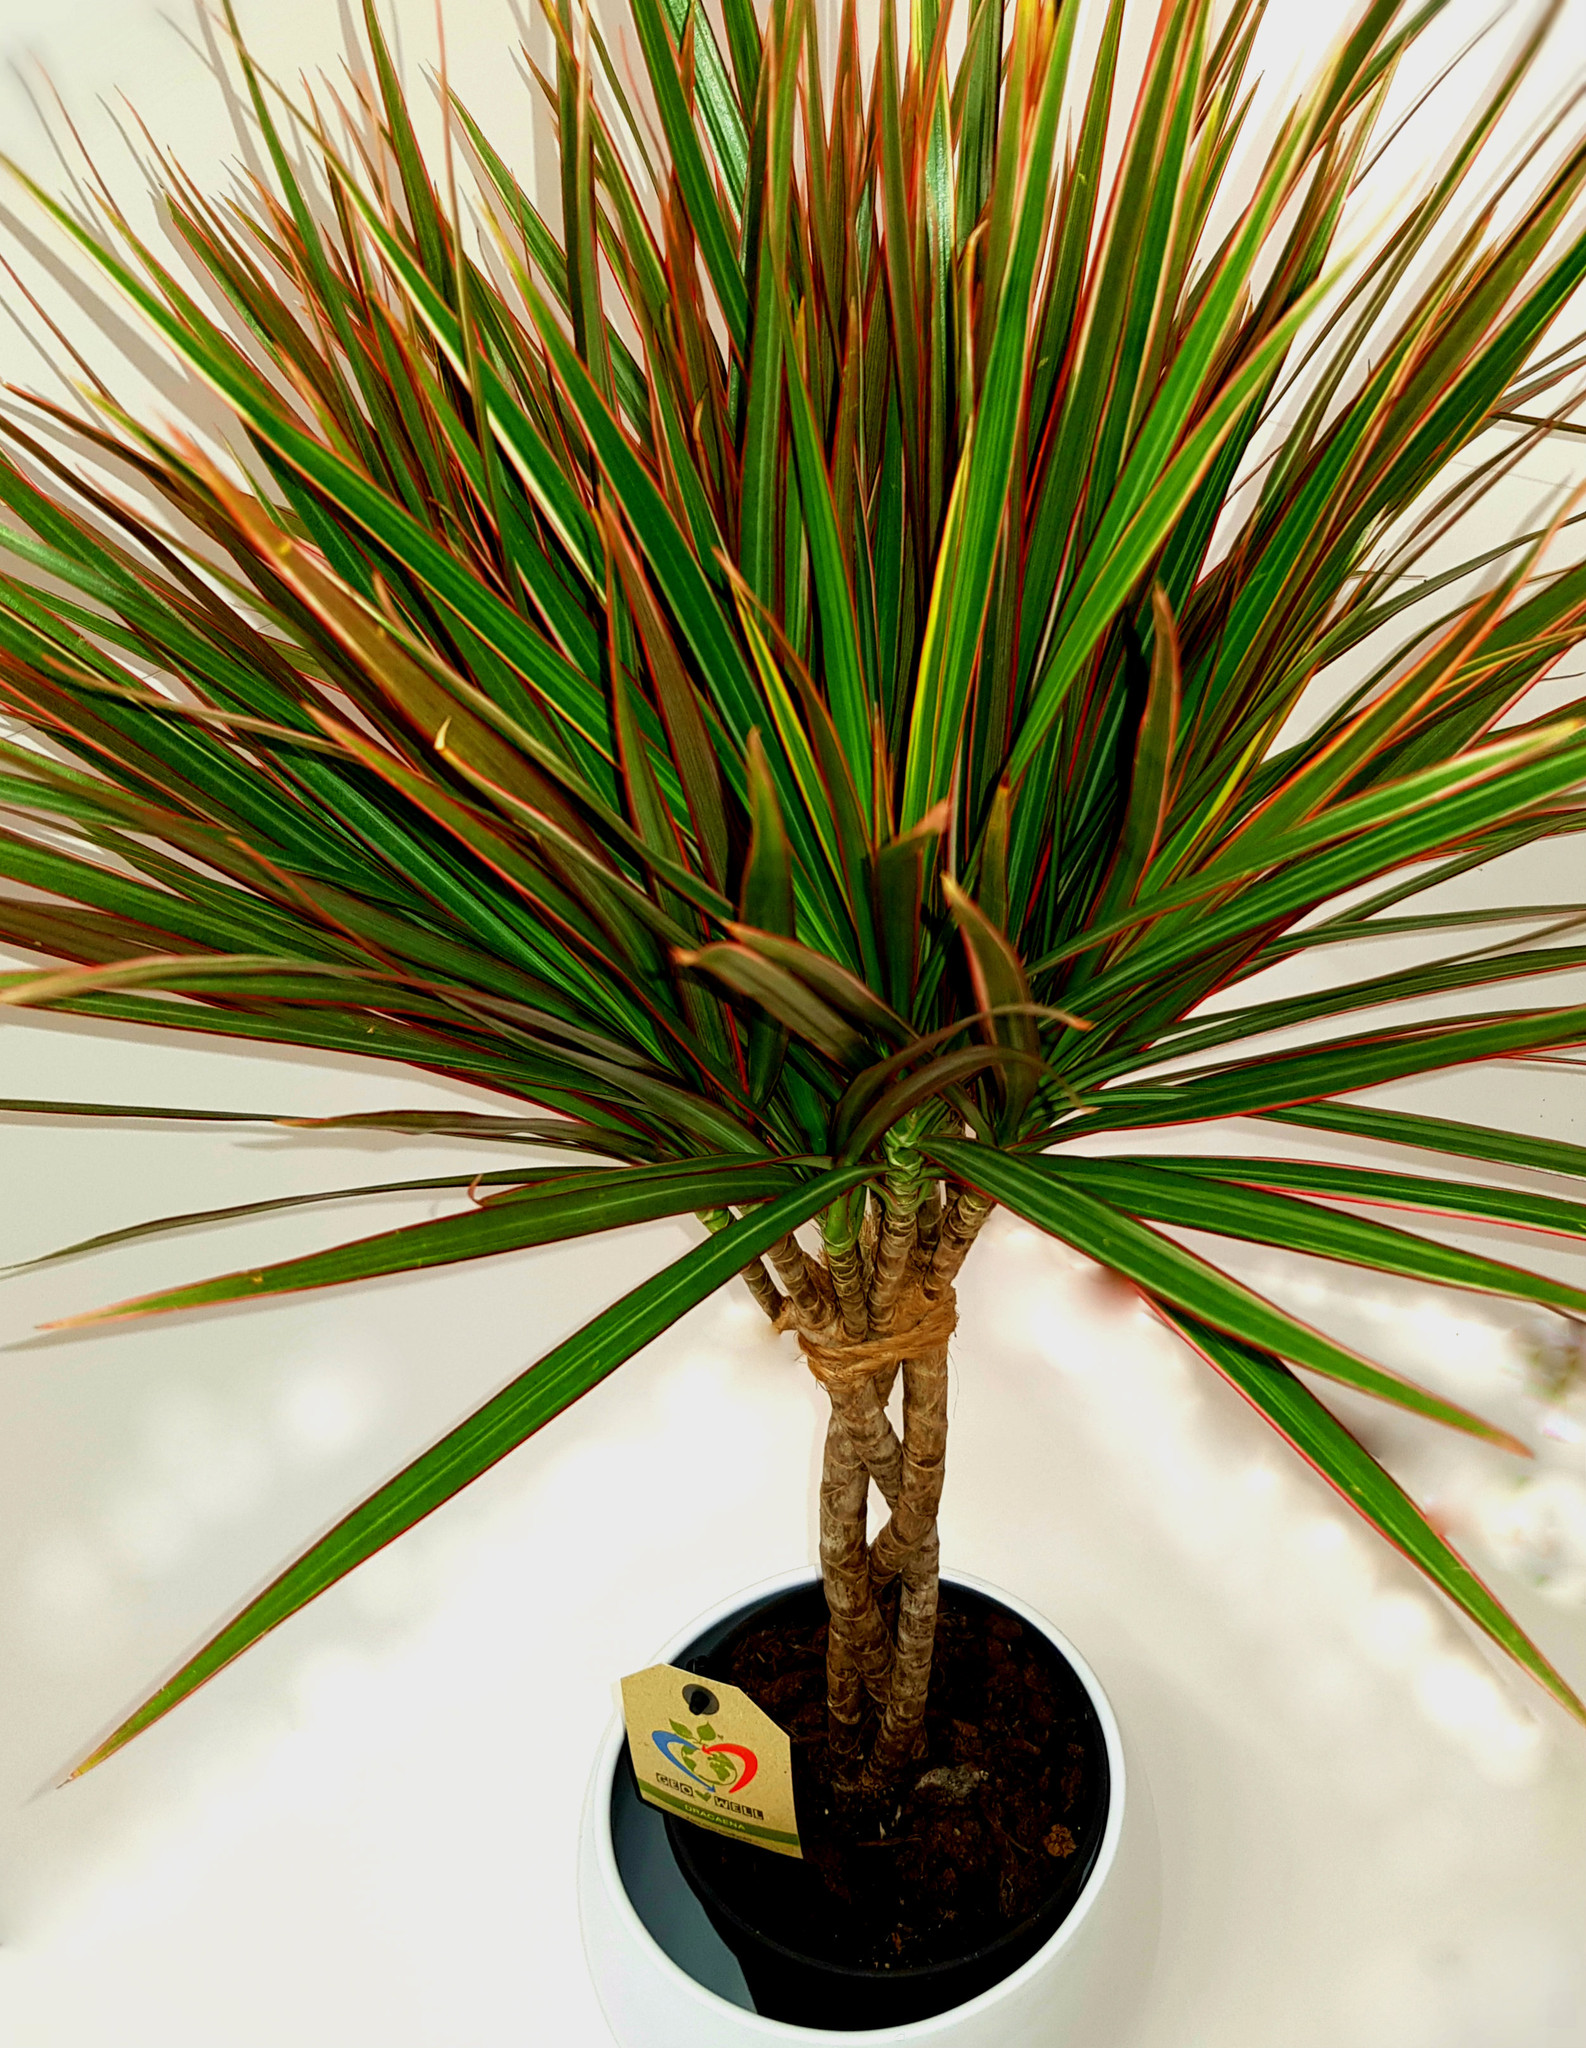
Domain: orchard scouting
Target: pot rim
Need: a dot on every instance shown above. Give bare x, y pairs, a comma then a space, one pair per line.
756, 2025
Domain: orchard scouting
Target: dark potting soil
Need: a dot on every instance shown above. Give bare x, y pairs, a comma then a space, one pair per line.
998, 1819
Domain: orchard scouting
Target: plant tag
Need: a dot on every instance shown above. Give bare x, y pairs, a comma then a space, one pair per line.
704, 1750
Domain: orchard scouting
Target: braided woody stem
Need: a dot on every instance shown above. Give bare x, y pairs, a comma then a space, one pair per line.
764, 1289
808, 1290
754, 1275
856, 1338
857, 1402
860, 1446
858, 1647
845, 1266
960, 1226
907, 1548
903, 1194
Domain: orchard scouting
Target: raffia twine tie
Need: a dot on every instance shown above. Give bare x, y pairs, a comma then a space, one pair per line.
920, 1327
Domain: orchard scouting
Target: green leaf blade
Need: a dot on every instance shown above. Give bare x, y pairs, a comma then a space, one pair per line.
524, 1406
1044, 1194
1353, 1473
606, 1199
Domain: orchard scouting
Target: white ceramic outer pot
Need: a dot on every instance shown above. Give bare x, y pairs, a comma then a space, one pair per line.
1075, 1990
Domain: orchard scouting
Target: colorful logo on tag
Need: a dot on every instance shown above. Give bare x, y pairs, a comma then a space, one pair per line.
715, 1759
724, 1767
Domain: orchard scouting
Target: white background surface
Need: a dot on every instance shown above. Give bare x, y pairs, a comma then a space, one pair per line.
1372, 1832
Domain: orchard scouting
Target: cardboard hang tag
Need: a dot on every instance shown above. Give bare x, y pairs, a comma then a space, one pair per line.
705, 1751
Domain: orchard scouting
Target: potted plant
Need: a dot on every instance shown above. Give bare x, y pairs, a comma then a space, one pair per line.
800, 681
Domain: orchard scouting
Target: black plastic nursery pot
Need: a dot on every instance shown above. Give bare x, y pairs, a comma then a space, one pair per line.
794, 1937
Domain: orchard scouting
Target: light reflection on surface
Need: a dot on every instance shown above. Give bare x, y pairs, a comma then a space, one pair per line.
1259, 1534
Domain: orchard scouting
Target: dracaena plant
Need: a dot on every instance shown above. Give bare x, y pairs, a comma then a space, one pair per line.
790, 667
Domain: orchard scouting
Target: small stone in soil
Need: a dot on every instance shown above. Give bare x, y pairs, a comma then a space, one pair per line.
953, 1781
